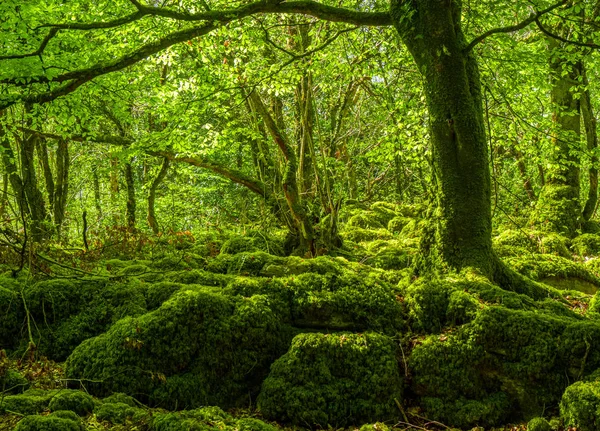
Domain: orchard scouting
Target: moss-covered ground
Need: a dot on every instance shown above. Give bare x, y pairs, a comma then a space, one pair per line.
227, 332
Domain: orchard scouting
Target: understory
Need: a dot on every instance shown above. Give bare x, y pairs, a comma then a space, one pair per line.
223, 331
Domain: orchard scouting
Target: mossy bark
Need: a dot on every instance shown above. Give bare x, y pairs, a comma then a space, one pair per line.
432, 32
152, 221
558, 208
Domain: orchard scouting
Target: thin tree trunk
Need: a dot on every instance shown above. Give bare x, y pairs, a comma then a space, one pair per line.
97, 196
589, 121
152, 222
61, 191
131, 202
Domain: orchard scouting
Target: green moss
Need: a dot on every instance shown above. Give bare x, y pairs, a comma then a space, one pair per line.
396, 224
198, 276
538, 424
118, 413
366, 220
13, 382
58, 421
30, 402
377, 426
555, 244
252, 424
120, 397
157, 293
11, 312
206, 418
523, 357
196, 349
587, 244
54, 300
540, 267
580, 406
239, 244
75, 401
334, 379
357, 234
557, 210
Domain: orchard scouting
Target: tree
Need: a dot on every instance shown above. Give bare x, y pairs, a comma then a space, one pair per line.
432, 32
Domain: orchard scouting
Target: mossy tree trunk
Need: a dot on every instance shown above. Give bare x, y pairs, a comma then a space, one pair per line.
431, 30
131, 201
589, 121
558, 208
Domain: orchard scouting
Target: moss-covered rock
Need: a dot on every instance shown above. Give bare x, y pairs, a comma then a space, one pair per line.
336, 379
580, 406
557, 210
75, 401
357, 234
57, 421
538, 424
196, 349
118, 413
396, 224
11, 312
30, 402
377, 426
587, 244
120, 397
366, 220
202, 419
504, 364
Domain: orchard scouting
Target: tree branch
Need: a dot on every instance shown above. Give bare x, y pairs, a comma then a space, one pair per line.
53, 32
562, 39
511, 28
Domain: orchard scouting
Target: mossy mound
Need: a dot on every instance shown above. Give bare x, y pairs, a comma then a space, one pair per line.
554, 270
538, 424
120, 397
504, 364
580, 406
30, 402
11, 312
358, 234
196, 349
75, 401
365, 220
206, 418
13, 382
118, 413
334, 379
57, 421
587, 244
553, 203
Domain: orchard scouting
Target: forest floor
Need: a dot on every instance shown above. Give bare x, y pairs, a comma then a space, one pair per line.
153, 333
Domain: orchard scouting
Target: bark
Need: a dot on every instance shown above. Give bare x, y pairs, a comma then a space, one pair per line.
461, 233
131, 202
61, 190
558, 208
152, 222
97, 196
42, 149
589, 122
527, 184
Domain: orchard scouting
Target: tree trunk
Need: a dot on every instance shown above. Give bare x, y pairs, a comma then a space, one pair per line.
558, 208
152, 222
62, 183
589, 121
131, 203
461, 235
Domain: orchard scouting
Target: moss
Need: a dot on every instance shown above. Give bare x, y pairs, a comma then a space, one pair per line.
557, 210
587, 244
11, 312
198, 276
365, 220
580, 406
118, 413
59, 421
516, 238
252, 424
239, 244
357, 234
196, 349
334, 379
396, 224
540, 267
377, 426
555, 244
246, 263
391, 257
120, 397
202, 419
30, 402
538, 424
76, 401
157, 293
527, 357
434, 304
13, 382
590, 226
54, 300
